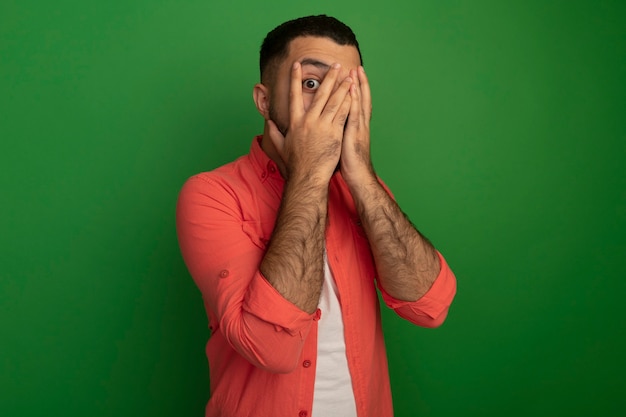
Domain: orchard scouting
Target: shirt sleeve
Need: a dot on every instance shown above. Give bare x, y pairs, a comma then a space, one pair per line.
432, 308
254, 318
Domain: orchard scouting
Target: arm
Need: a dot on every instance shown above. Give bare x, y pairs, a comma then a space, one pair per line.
293, 264
407, 264
223, 252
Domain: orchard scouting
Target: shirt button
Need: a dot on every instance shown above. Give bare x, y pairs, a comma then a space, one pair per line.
224, 273
272, 169
263, 174
306, 363
302, 413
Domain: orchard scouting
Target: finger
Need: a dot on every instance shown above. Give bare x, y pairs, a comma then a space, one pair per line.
324, 90
296, 103
357, 88
336, 100
354, 117
358, 109
366, 94
277, 138
344, 110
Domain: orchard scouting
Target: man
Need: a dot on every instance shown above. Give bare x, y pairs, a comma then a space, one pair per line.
288, 243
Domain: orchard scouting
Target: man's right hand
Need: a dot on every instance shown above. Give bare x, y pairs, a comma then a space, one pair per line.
312, 146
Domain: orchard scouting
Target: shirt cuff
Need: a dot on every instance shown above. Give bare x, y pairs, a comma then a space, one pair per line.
437, 299
266, 303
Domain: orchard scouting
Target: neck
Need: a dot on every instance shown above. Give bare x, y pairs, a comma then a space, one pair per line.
268, 147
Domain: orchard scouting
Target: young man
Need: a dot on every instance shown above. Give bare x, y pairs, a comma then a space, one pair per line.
288, 243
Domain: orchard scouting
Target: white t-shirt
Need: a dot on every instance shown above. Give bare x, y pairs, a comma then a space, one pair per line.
333, 394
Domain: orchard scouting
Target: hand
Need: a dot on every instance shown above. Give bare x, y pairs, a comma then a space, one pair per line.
312, 146
356, 163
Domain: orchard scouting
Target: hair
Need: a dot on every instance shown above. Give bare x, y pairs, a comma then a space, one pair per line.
275, 47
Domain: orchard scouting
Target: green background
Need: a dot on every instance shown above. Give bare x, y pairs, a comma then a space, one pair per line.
500, 127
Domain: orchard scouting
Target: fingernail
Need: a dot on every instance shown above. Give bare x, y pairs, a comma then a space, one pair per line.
336, 65
296, 65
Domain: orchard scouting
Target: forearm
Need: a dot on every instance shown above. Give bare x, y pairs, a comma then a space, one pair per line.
293, 263
406, 262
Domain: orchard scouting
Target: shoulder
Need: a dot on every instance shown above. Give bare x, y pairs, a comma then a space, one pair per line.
226, 179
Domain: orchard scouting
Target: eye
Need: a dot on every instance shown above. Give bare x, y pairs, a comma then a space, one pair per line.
311, 84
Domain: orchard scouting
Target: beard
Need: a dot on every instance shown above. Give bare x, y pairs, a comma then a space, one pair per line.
282, 126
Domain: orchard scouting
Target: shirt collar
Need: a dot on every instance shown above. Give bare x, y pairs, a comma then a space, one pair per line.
265, 168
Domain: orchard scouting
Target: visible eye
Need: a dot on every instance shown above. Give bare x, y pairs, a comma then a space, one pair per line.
311, 84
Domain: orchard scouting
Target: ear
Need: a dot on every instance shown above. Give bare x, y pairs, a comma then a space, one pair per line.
261, 96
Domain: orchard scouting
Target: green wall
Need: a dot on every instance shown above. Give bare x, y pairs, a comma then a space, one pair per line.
500, 127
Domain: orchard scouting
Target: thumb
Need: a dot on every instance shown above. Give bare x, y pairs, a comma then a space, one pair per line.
276, 137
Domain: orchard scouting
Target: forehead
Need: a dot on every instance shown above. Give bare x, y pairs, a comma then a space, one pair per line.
324, 50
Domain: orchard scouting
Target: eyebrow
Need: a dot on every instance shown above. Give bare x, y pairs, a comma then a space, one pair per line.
315, 63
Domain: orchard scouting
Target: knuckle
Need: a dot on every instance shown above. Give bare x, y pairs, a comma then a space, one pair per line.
331, 107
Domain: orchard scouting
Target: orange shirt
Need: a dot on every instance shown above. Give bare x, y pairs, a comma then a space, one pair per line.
262, 351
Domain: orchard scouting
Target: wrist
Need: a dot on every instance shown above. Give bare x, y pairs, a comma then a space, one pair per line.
309, 178
364, 177
311, 184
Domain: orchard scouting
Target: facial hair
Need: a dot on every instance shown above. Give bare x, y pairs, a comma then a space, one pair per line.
282, 127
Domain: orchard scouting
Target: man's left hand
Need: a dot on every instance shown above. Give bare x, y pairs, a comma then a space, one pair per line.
356, 164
